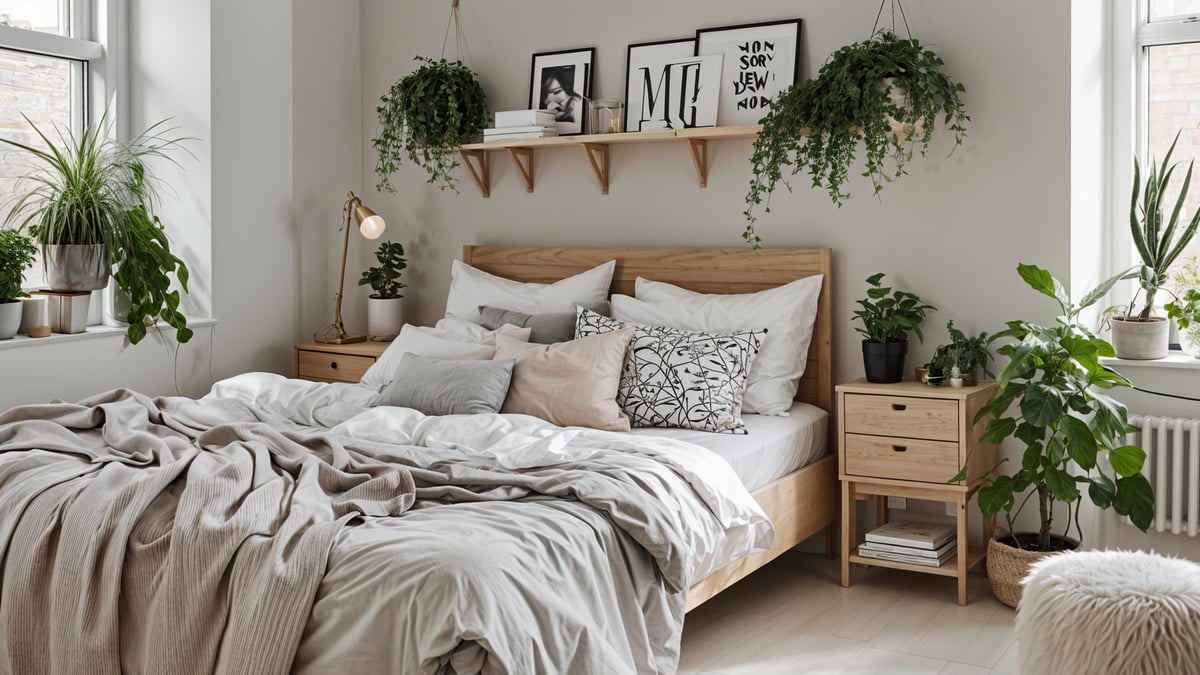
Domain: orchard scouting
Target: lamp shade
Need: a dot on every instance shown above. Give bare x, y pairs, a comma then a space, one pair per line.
370, 224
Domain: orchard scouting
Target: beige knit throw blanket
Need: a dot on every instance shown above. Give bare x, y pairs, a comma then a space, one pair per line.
167, 535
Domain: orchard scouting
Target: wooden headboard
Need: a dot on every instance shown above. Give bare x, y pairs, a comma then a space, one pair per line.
705, 270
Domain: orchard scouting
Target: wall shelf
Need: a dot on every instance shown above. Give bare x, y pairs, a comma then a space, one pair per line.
595, 148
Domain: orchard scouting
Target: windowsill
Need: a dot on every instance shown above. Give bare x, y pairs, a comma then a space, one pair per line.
1174, 359
92, 333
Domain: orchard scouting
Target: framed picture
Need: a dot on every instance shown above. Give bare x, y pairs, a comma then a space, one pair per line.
560, 81
761, 60
668, 87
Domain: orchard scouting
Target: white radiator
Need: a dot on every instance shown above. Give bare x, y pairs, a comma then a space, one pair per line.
1172, 446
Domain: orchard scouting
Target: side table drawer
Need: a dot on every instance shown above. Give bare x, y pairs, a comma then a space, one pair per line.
934, 419
326, 366
901, 458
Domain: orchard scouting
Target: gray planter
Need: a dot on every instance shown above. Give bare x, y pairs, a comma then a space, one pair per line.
77, 267
1141, 340
10, 318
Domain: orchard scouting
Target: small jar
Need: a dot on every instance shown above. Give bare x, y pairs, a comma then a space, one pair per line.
956, 379
605, 116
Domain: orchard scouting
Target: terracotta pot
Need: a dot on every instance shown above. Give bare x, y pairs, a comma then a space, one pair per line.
1007, 566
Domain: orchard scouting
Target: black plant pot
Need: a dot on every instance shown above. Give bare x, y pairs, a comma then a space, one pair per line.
884, 361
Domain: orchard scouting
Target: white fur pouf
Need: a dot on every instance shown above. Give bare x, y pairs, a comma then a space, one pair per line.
1099, 612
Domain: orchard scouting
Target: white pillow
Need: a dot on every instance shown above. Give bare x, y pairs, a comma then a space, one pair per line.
470, 288
788, 313
450, 339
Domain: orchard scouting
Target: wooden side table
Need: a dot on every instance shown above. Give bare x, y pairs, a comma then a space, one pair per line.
907, 440
336, 363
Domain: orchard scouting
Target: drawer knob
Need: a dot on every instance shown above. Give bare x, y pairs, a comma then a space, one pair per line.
333, 365
899, 448
899, 407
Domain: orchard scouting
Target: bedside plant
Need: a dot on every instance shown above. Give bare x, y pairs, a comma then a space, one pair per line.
425, 116
885, 92
887, 318
968, 353
17, 253
384, 317
1054, 378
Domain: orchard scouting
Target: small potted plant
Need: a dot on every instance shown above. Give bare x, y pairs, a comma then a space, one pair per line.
965, 355
1185, 309
17, 253
1053, 385
887, 318
1159, 241
384, 310
425, 116
885, 92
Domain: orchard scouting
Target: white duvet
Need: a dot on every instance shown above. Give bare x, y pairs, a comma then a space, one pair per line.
546, 549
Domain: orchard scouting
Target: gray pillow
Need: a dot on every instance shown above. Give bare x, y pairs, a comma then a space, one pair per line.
448, 386
545, 328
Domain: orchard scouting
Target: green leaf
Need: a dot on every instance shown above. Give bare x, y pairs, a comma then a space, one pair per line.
1043, 404
1043, 282
1032, 457
996, 497
1127, 460
1081, 444
1135, 498
1101, 489
1061, 485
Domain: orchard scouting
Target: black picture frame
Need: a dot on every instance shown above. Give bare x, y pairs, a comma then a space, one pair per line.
549, 88
751, 77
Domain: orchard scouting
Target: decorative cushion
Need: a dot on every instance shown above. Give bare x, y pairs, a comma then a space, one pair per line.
677, 378
569, 383
448, 386
450, 339
545, 328
470, 288
788, 313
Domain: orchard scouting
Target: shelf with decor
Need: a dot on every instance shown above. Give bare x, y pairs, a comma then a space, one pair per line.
595, 147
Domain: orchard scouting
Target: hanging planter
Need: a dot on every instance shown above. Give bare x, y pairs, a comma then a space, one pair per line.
885, 93
427, 114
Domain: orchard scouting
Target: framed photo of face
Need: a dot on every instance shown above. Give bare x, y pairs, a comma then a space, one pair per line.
560, 81
668, 87
761, 60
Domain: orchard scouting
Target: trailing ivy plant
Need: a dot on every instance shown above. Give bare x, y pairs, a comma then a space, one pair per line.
817, 125
425, 116
141, 272
385, 279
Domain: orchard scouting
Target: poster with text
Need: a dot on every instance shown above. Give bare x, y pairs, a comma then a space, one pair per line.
668, 87
760, 61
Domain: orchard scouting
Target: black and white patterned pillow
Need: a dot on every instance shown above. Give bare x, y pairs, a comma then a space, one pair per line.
678, 378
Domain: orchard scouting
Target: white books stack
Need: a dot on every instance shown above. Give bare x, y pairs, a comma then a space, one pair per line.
925, 544
512, 125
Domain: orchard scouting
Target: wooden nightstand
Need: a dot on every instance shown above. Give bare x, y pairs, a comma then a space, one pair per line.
907, 440
336, 363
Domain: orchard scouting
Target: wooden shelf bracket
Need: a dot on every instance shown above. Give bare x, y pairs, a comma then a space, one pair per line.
597, 154
526, 167
699, 149
479, 169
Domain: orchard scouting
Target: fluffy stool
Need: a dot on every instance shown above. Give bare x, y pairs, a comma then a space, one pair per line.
1099, 612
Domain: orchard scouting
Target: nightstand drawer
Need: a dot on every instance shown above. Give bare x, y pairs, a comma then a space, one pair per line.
326, 366
901, 458
910, 417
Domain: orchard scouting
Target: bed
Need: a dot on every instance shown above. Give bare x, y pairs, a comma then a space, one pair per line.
800, 504
258, 529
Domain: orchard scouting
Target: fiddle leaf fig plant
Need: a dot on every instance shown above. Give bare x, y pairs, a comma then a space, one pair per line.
385, 279
1055, 380
817, 125
425, 116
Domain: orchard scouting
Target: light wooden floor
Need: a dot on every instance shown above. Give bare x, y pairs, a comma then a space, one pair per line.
793, 616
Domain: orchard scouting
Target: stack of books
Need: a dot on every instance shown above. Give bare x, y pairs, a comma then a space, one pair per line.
514, 125
908, 542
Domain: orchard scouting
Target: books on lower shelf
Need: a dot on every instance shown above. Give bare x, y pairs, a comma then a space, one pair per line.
906, 558
945, 549
928, 536
522, 118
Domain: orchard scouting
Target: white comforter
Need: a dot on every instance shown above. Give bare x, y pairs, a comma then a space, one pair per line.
541, 563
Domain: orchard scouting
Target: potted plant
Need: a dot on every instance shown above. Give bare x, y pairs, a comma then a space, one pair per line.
1052, 383
89, 200
885, 92
1137, 333
887, 318
1185, 309
966, 355
384, 317
425, 116
16, 255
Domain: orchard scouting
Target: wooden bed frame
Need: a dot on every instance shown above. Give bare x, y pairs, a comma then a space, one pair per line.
801, 503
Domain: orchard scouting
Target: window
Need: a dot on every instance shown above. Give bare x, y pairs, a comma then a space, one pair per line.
53, 71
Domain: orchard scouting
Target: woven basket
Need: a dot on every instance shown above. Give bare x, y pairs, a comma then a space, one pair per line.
1007, 566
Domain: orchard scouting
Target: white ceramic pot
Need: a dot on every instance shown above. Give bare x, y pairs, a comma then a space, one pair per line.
1142, 340
10, 318
384, 318
77, 267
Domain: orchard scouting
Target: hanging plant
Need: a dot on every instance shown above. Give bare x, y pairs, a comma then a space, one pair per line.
885, 92
425, 116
